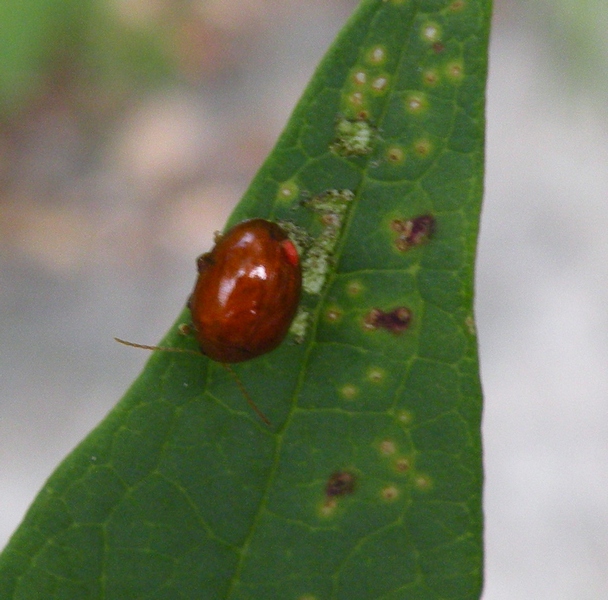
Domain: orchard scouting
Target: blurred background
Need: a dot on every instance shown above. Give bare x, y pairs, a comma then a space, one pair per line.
130, 128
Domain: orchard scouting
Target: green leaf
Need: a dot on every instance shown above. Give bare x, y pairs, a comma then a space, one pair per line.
368, 483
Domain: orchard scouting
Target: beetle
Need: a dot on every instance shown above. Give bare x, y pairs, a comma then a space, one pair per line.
245, 297
247, 292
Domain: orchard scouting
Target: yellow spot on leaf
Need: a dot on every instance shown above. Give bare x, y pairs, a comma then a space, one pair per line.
354, 288
376, 55
376, 374
288, 190
431, 32
328, 507
349, 391
356, 99
388, 447
390, 493
423, 482
405, 417
403, 465
454, 70
395, 154
470, 325
430, 77
360, 77
380, 84
333, 315
423, 148
416, 103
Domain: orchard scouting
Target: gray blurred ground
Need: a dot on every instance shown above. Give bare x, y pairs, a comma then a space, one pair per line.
97, 244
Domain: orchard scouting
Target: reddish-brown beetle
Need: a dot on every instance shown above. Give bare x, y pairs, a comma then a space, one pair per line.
247, 292
246, 295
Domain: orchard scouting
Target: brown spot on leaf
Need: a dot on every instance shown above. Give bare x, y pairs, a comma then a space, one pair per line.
185, 328
402, 465
333, 315
395, 321
340, 483
390, 493
457, 5
430, 77
413, 232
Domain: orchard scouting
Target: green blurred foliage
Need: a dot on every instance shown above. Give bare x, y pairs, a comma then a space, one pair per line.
47, 44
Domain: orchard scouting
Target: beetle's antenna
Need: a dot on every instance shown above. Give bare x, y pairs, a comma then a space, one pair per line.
251, 403
228, 368
161, 348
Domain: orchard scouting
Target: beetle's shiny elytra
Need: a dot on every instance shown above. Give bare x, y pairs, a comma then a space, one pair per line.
247, 292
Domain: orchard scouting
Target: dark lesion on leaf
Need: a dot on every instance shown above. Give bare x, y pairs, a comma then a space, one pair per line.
403, 465
413, 232
396, 321
185, 329
340, 483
